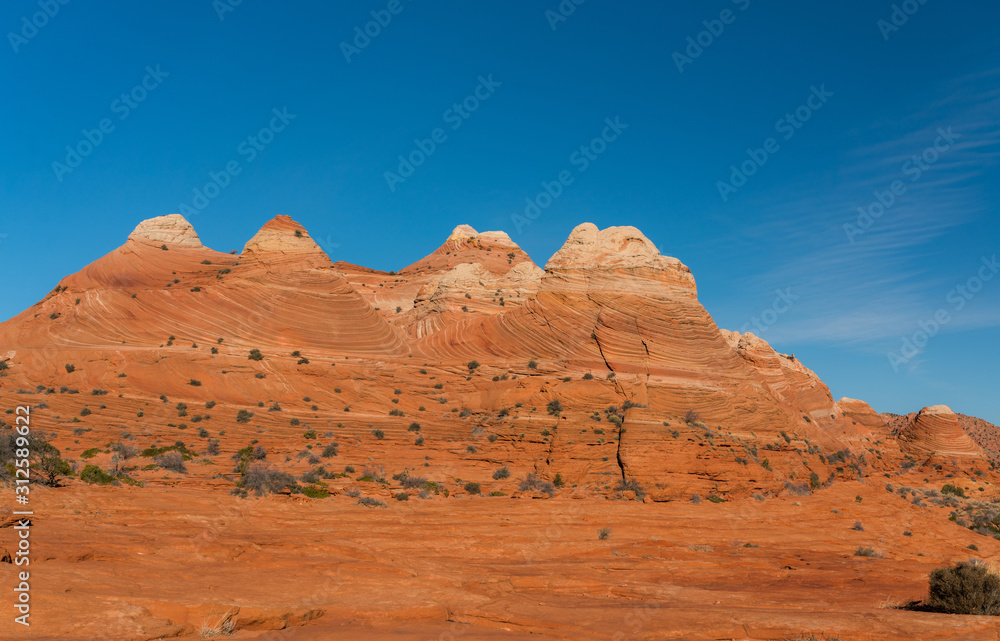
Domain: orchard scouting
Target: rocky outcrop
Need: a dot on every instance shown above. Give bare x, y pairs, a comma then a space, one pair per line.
936, 430
172, 230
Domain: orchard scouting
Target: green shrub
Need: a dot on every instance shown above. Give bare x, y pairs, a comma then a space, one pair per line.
954, 490
967, 588
315, 492
243, 416
93, 475
554, 407
472, 488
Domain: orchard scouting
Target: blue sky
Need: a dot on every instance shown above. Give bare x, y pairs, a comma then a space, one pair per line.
822, 103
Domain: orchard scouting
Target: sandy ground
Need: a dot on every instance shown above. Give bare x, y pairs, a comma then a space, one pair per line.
152, 563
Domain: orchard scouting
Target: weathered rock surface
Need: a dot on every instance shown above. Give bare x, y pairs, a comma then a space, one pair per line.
936, 431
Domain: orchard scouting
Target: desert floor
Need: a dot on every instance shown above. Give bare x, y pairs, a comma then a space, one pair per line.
151, 563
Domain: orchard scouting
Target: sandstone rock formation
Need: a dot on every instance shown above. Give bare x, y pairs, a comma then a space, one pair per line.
936, 431
604, 370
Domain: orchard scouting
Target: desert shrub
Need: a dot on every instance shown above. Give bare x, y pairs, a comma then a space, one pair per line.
213, 447
44, 457
604, 534
70, 368
714, 498
414, 427
93, 475
554, 407
255, 355
368, 501
967, 588
85, 412
173, 461
696, 498
412, 482
473, 366
532, 482
532, 364
868, 551
558, 480
194, 382
814, 481
947, 489
262, 479
379, 434
691, 417
329, 451
858, 527
631, 486
501, 473
798, 489
243, 416
472, 488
